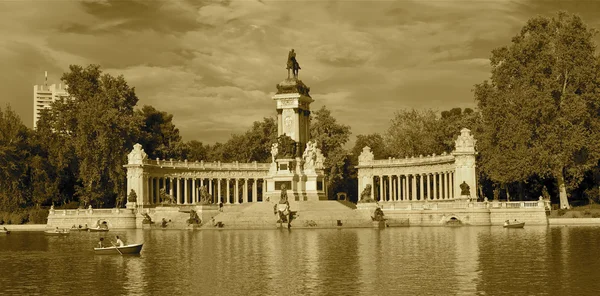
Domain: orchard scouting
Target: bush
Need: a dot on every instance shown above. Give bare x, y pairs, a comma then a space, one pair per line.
596, 215
587, 212
38, 216
17, 217
561, 212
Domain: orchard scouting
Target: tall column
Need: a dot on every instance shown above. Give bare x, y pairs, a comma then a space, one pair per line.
381, 188
393, 195
254, 190
373, 188
443, 189
185, 191
194, 191
210, 189
219, 190
414, 188
422, 192
179, 191
264, 190
171, 186
237, 191
434, 175
448, 182
245, 195
429, 195
228, 198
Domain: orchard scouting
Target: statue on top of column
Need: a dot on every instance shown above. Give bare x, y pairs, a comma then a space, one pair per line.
292, 64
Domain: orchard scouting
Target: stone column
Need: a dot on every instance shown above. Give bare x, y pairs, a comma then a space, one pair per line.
264, 190
194, 191
237, 191
185, 191
245, 195
414, 187
372, 188
254, 190
422, 193
434, 175
381, 188
449, 182
444, 186
228, 199
219, 190
210, 189
171, 193
393, 195
429, 195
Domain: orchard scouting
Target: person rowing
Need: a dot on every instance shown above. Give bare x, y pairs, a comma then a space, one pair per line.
100, 243
119, 242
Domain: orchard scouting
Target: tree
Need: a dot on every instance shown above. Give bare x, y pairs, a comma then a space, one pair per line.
98, 120
411, 133
14, 152
197, 151
158, 135
331, 137
253, 145
374, 141
540, 109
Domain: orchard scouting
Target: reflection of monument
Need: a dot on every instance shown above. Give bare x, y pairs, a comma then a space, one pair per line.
297, 162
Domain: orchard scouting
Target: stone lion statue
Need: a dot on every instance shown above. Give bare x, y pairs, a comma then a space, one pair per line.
365, 195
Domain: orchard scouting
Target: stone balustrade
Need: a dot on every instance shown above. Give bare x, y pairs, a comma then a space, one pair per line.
217, 165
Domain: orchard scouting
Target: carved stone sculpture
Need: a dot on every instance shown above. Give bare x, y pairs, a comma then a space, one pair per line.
465, 189
194, 219
132, 197
137, 155
310, 155
292, 64
365, 195
205, 197
378, 215
274, 151
286, 147
366, 155
147, 219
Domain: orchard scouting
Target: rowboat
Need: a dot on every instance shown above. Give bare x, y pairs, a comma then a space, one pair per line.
97, 229
2, 231
124, 250
57, 232
514, 224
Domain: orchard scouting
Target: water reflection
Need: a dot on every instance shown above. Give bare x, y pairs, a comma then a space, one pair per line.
398, 261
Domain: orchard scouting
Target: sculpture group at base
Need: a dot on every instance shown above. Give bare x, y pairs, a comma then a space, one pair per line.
365, 195
282, 208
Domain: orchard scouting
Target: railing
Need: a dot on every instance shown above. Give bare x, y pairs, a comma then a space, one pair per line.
209, 165
462, 204
421, 160
88, 211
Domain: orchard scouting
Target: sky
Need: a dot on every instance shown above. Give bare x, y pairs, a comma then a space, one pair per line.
214, 65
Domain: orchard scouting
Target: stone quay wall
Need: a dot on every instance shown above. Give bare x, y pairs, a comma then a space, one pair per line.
468, 213
115, 218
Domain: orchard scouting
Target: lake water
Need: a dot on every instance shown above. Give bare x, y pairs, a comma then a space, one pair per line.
393, 261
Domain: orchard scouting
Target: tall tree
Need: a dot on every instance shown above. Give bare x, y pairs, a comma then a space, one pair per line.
158, 135
253, 145
540, 109
331, 137
374, 141
412, 132
99, 119
14, 151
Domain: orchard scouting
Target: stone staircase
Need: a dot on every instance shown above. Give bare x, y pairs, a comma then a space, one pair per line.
307, 214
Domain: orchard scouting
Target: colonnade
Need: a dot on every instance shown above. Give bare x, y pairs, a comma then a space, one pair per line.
187, 190
413, 187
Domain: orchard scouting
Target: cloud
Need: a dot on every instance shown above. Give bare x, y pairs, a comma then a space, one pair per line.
214, 64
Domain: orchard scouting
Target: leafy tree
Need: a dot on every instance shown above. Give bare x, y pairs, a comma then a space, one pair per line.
331, 137
411, 133
14, 152
540, 109
253, 145
101, 127
374, 141
197, 151
159, 136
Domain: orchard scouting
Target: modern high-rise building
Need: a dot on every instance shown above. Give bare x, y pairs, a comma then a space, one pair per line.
44, 95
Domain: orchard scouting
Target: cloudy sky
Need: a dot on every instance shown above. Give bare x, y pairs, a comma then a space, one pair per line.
215, 64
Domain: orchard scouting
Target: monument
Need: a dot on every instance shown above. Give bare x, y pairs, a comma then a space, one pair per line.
296, 161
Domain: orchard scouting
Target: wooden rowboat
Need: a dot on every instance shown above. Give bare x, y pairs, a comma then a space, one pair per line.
124, 250
97, 229
514, 225
2, 231
57, 232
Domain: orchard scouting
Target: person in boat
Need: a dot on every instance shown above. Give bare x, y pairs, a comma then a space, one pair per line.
101, 243
57, 230
119, 242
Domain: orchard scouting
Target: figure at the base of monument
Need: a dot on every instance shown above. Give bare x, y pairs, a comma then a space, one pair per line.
282, 208
378, 215
465, 189
365, 195
205, 197
194, 219
147, 219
